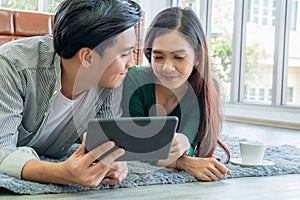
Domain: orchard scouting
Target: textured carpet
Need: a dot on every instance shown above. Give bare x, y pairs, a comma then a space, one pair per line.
286, 159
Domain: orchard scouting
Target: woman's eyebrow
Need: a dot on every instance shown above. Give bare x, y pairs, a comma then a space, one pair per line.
178, 51
173, 52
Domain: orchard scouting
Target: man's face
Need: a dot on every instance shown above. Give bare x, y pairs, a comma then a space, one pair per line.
116, 60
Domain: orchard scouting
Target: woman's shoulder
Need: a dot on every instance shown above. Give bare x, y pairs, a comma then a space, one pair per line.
140, 73
140, 70
139, 77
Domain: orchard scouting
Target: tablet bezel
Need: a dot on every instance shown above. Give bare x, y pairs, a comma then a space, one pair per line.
149, 146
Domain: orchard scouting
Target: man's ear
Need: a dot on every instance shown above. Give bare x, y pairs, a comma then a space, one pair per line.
85, 56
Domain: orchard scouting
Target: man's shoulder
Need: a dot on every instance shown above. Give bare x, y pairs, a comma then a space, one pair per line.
27, 43
29, 52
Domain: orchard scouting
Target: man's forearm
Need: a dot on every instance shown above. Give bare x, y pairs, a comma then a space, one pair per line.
44, 172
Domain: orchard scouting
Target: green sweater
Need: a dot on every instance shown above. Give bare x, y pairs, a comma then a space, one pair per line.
139, 100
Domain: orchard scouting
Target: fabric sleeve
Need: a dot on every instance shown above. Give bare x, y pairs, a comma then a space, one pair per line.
190, 122
110, 103
12, 158
132, 99
116, 101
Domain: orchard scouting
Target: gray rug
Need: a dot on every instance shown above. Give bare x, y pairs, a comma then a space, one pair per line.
286, 159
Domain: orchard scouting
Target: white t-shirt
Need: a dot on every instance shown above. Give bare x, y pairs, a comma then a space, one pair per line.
61, 111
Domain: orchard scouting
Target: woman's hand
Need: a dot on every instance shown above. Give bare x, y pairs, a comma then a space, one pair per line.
81, 168
180, 146
204, 169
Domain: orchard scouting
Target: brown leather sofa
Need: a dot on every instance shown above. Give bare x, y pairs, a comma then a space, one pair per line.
16, 24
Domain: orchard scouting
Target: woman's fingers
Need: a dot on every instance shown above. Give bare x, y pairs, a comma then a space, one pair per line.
221, 168
204, 169
206, 177
217, 170
212, 177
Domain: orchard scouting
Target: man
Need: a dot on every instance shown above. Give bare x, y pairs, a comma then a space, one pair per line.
51, 86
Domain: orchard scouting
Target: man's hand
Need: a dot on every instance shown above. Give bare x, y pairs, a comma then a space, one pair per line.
79, 168
117, 172
82, 169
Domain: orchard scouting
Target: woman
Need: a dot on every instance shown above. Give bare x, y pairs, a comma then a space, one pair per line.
180, 83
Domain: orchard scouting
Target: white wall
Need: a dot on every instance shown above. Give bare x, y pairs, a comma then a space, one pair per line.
152, 7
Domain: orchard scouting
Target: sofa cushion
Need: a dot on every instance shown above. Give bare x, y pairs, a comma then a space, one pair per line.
6, 22
32, 24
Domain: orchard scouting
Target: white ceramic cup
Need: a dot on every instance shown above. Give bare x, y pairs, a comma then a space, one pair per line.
252, 152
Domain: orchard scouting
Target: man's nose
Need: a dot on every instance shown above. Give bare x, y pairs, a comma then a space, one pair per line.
132, 61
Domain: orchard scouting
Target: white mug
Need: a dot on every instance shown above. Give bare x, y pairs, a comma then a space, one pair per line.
252, 152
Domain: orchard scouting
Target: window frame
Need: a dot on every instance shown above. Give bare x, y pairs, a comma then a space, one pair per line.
278, 113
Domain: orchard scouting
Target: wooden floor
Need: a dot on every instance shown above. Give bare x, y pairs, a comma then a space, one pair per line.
273, 187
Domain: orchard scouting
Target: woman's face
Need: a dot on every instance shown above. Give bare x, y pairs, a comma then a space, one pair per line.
172, 59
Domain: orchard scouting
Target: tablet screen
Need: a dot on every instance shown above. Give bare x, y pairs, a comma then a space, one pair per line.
143, 138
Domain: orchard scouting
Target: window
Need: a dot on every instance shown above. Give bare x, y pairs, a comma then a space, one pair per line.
293, 15
53, 4
193, 4
255, 74
258, 69
264, 21
255, 20
31, 5
293, 74
273, 22
290, 91
269, 94
261, 94
22, 5
265, 12
221, 43
260, 12
252, 94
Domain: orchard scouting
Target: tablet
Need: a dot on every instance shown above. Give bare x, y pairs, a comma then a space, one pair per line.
143, 138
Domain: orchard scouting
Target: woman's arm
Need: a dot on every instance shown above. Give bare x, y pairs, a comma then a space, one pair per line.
180, 146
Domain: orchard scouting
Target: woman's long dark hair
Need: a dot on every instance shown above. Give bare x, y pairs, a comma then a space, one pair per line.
186, 22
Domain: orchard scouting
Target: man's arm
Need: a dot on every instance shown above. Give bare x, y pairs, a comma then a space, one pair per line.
79, 168
12, 159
